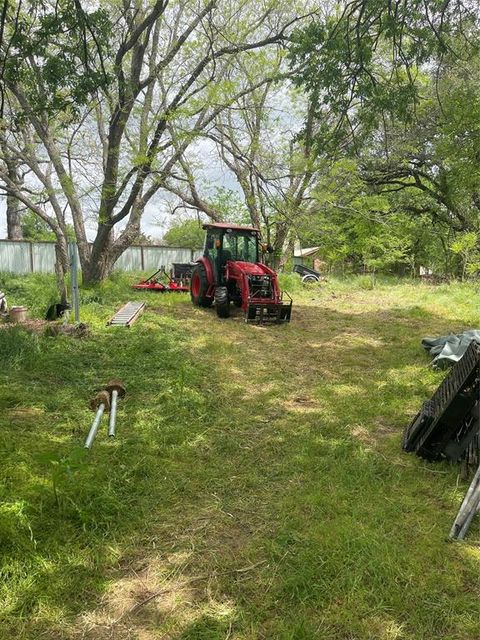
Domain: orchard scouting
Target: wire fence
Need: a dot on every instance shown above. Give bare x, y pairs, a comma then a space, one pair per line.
18, 256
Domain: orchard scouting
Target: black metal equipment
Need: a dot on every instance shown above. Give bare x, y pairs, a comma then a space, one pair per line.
265, 313
447, 423
307, 274
3, 304
182, 272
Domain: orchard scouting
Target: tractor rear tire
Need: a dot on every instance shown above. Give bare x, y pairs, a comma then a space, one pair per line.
199, 287
222, 303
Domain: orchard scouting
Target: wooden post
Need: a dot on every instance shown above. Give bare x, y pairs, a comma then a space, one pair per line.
31, 257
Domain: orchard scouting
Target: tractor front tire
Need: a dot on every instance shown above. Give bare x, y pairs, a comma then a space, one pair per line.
199, 287
222, 303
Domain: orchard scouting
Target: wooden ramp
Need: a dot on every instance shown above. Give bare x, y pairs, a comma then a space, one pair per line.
127, 314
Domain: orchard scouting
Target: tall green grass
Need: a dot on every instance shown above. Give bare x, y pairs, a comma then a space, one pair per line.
256, 483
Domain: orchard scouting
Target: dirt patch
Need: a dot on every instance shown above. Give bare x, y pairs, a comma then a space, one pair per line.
34, 326
372, 437
302, 404
80, 330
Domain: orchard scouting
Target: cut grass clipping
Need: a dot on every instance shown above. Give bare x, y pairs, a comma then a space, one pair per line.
255, 488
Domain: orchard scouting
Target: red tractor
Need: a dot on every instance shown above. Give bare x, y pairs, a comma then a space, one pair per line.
231, 270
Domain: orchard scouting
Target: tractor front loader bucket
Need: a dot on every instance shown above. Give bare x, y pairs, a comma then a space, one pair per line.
269, 312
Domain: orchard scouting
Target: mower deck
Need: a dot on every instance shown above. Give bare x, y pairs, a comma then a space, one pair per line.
159, 286
179, 282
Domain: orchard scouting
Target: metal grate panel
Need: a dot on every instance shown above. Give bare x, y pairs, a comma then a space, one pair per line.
127, 314
446, 424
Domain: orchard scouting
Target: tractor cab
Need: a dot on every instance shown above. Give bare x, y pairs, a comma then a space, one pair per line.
236, 243
232, 270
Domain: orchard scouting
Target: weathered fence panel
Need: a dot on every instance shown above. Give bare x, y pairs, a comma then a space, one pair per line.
15, 257
43, 256
130, 260
156, 257
28, 257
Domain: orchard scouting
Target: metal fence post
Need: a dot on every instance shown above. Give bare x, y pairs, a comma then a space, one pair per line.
74, 271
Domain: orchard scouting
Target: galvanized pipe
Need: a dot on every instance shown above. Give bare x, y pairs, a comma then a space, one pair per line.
74, 272
113, 413
471, 502
94, 428
474, 502
466, 506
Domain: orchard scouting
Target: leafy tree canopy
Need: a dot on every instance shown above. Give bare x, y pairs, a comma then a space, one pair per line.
187, 233
35, 229
69, 44
368, 58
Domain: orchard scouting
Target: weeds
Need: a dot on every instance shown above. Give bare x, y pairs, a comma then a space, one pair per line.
18, 347
256, 483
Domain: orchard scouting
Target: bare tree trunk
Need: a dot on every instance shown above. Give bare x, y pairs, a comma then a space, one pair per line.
106, 250
98, 270
14, 227
283, 246
100, 263
287, 253
61, 268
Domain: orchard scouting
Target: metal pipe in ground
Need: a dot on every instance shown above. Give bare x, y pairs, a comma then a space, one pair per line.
74, 272
116, 389
113, 414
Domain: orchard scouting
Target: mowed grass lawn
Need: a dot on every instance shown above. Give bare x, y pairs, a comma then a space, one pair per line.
256, 488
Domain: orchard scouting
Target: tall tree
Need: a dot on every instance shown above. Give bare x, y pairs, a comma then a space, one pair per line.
257, 140
87, 78
12, 169
366, 58
384, 69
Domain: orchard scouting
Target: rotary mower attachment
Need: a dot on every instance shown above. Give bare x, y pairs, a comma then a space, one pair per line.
179, 282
